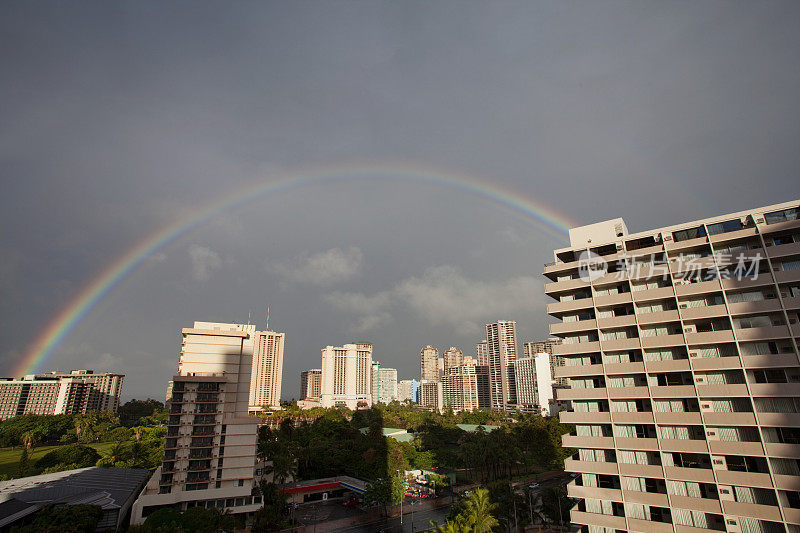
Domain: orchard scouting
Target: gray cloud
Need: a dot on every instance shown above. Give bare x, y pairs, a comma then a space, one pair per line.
323, 268
204, 262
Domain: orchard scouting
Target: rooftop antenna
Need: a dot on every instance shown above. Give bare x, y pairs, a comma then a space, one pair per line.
266, 324
248, 317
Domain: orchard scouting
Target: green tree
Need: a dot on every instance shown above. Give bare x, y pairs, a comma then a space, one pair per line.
72, 455
64, 519
475, 515
385, 491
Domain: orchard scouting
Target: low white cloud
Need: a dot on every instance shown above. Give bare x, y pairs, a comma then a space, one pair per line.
444, 296
204, 262
324, 268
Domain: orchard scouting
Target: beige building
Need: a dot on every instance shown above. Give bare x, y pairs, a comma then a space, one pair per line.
531, 348
681, 344
534, 383
210, 446
347, 376
501, 341
460, 388
430, 395
55, 393
429, 363
407, 390
452, 358
482, 353
311, 384
265, 387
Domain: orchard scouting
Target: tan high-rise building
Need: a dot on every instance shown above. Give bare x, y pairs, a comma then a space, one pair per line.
311, 384
210, 445
56, 393
265, 387
452, 358
460, 388
682, 348
430, 394
482, 353
347, 376
429, 363
529, 349
501, 340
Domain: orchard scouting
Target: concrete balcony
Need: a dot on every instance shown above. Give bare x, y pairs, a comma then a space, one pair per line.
791, 302
706, 505
753, 510
795, 329
569, 371
729, 419
663, 341
674, 365
591, 467
779, 419
760, 306
624, 368
779, 226
733, 235
783, 250
768, 361
700, 475
647, 271
627, 392
632, 418
564, 328
560, 267
625, 443
787, 482
673, 391
684, 445
745, 255
785, 276
654, 294
761, 280
564, 286
612, 299
689, 529
620, 345
575, 349
596, 519
573, 417
616, 321
649, 526
678, 264
766, 333
582, 394
675, 248
780, 449
659, 317
721, 447
610, 278
774, 389
678, 418
557, 308
791, 515
702, 287
576, 491
654, 471
709, 337
722, 391
715, 363
646, 498
707, 311
573, 441
745, 479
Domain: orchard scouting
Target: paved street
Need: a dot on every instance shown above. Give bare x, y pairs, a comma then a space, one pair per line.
421, 522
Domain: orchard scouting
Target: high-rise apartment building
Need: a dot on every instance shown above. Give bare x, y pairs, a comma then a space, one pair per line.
347, 376
375, 381
407, 390
265, 387
501, 340
531, 348
482, 353
460, 388
210, 445
55, 393
452, 358
429, 363
431, 394
534, 383
387, 385
682, 348
311, 384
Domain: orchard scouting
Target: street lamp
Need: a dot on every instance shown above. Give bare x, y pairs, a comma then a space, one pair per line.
402, 498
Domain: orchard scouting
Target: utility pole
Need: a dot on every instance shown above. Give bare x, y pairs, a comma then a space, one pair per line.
401, 500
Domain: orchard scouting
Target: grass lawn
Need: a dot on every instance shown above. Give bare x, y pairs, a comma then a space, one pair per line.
9, 457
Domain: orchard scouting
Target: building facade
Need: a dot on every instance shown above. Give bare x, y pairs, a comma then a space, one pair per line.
482, 353
429, 363
501, 341
55, 393
265, 388
452, 357
431, 395
682, 349
210, 445
460, 388
387, 385
407, 390
534, 347
534, 383
311, 384
347, 376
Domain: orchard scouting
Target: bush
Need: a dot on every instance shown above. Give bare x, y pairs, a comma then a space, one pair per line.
71, 454
67, 519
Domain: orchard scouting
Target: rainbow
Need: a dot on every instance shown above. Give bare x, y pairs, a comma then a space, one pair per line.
41, 349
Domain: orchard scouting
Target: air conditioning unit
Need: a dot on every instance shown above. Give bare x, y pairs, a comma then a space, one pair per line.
667, 238
684, 306
693, 354
759, 220
690, 329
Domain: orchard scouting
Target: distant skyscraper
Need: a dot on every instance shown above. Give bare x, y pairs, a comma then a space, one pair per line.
452, 358
501, 338
347, 376
482, 353
387, 384
531, 348
55, 393
460, 388
534, 383
429, 363
375, 381
209, 401
430, 394
311, 384
407, 390
267, 375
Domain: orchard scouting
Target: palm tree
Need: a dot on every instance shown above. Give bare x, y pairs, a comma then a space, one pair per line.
477, 513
